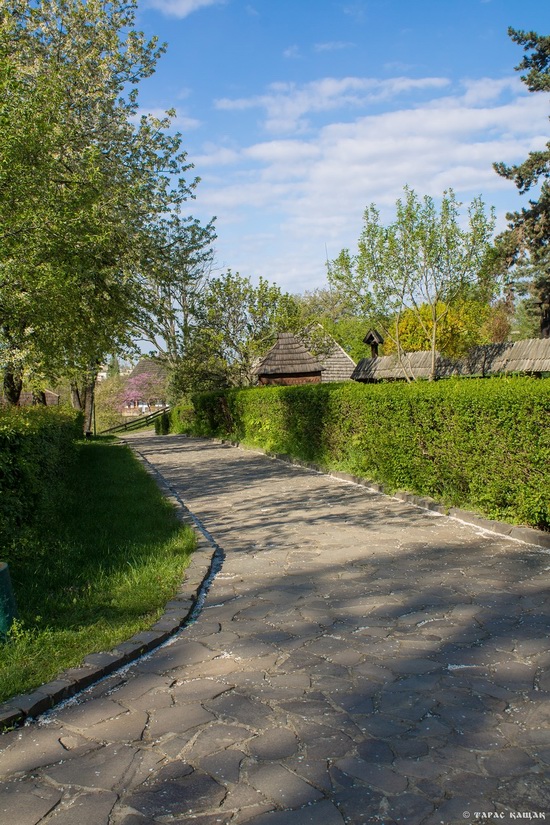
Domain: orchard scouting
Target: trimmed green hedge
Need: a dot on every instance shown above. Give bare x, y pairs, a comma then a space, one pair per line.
35, 445
483, 444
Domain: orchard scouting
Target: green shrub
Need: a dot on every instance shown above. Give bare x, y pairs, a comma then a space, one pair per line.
162, 424
37, 444
483, 444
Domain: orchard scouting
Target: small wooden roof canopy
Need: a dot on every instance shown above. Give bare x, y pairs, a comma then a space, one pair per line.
375, 340
288, 362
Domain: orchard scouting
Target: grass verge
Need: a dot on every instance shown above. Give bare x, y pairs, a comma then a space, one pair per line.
100, 567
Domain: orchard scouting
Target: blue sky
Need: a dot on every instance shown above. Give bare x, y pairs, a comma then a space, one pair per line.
299, 113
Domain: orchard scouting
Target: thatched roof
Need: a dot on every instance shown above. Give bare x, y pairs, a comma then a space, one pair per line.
531, 356
288, 356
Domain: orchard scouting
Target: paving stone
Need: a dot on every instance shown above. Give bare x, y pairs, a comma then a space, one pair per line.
243, 710
177, 719
273, 744
86, 809
507, 762
380, 777
453, 810
409, 652
215, 737
360, 806
281, 786
29, 749
26, 803
177, 655
527, 793
224, 766
194, 793
376, 751
128, 727
319, 812
409, 808
199, 689
88, 712
102, 769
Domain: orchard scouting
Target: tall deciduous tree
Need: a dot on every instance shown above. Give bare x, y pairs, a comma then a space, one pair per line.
235, 323
95, 179
176, 262
424, 257
526, 244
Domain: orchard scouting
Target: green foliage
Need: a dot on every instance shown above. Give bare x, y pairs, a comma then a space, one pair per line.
88, 186
480, 444
162, 424
235, 322
425, 257
108, 402
37, 446
101, 566
525, 246
461, 328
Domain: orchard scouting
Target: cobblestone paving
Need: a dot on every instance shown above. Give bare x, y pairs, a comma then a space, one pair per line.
358, 660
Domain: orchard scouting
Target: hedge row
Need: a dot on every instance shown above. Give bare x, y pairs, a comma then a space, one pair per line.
481, 444
35, 445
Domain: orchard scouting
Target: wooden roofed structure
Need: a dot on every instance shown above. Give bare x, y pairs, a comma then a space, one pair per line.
288, 362
530, 357
336, 364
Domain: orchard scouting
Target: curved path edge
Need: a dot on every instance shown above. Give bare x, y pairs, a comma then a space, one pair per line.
179, 610
96, 666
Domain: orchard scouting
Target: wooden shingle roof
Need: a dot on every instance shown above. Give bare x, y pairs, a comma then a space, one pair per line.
389, 368
530, 356
149, 366
337, 365
288, 356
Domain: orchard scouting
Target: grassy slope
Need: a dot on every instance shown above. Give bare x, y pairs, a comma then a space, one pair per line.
102, 566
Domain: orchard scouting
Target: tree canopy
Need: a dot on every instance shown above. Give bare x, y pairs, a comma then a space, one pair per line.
87, 186
422, 263
526, 243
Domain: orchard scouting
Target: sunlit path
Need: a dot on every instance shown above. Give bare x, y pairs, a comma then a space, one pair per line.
357, 660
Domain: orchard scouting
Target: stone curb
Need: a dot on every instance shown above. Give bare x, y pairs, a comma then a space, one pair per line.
526, 535
96, 666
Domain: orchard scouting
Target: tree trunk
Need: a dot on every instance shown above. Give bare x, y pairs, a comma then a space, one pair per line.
82, 398
13, 384
433, 375
39, 398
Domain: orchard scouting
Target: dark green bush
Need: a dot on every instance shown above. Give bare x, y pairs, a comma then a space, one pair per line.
162, 424
483, 444
36, 447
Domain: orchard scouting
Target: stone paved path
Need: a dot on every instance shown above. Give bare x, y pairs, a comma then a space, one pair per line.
358, 660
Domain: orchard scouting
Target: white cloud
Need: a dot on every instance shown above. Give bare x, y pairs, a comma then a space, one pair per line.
182, 8
332, 46
292, 53
308, 192
286, 104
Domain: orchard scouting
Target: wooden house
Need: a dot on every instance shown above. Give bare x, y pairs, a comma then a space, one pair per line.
288, 362
335, 362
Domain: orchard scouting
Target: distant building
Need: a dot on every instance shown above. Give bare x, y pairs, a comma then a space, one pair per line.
145, 387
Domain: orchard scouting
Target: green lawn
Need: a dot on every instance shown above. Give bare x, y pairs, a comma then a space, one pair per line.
100, 567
